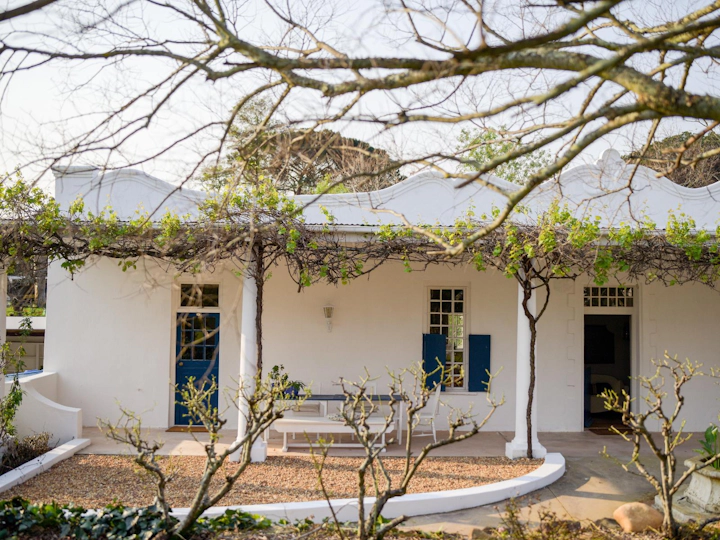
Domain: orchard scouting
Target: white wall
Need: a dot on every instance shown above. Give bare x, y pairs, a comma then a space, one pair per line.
39, 412
111, 334
683, 320
560, 360
378, 323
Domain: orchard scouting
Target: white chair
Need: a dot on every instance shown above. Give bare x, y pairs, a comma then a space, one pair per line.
428, 418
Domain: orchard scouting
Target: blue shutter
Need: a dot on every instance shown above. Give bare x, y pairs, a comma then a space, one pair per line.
478, 362
433, 358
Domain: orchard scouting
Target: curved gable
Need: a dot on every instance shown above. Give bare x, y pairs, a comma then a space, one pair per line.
609, 188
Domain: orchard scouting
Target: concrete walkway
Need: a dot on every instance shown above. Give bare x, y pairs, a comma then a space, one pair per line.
592, 488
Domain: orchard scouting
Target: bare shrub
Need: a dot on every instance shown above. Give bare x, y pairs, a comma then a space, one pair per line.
412, 390
261, 406
671, 426
21, 450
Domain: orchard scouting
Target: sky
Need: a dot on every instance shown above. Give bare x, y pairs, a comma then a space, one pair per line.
54, 103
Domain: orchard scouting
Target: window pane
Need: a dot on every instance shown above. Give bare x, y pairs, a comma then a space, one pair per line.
628, 302
190, 295
193, 295
210, 295
447, 306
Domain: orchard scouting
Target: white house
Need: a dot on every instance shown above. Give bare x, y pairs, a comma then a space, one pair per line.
112, 336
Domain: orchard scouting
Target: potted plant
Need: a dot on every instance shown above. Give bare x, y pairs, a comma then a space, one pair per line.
281, 379
704, 488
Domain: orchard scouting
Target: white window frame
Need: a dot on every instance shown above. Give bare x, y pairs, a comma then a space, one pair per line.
194, 309
608, 309
635, 333
466, 325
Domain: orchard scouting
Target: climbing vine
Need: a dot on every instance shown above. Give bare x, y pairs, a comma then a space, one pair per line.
259, 228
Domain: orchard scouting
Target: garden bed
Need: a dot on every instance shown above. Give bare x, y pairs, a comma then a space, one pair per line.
93, 481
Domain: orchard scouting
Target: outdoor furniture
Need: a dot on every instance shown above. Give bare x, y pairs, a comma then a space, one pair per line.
326, 399
428, 418
319, 425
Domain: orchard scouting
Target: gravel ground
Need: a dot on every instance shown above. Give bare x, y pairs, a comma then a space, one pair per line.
93, 481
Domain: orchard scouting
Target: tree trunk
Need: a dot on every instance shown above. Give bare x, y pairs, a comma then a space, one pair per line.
669, 525
532, 321
259, 272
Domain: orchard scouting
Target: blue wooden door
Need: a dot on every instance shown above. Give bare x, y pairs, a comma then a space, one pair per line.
197, 355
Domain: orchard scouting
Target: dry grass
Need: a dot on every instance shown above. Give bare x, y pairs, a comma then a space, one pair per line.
95, 480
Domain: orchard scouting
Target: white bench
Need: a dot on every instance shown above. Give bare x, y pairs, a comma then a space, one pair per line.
323, 424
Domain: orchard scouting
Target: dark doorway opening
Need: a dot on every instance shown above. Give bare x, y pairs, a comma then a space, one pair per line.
607, 366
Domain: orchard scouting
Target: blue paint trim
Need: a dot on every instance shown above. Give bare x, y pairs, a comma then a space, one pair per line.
478, 362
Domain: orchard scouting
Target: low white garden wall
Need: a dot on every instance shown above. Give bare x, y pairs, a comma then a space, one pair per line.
41, 464
415, 504
39, 412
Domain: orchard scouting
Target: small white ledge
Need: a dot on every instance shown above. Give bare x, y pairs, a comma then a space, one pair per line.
41, 464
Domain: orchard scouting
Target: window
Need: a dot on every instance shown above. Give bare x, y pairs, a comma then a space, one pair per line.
198, 336
447, 317
609, 296
201, 296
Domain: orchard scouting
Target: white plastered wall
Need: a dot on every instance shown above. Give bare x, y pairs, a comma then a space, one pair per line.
683, 320
378, 322
110, 338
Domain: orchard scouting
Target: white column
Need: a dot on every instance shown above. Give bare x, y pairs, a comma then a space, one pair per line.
248, 364
517, 448
3, 323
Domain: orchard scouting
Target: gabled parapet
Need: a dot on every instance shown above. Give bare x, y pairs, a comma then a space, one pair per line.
126, 191
610, 189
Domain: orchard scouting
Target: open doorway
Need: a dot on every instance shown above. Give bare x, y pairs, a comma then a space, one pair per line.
607, 366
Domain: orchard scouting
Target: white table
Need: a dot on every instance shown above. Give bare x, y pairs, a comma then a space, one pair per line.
323, 424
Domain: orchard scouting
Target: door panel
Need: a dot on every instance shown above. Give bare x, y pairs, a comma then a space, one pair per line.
197, 355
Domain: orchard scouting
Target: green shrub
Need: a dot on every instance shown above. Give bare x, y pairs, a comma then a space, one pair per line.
114, 522
710, 445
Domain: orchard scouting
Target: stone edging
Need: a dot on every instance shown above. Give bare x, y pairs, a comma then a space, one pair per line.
41, 464
414, 504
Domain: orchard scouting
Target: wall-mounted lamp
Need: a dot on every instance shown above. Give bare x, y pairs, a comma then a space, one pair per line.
328, 312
